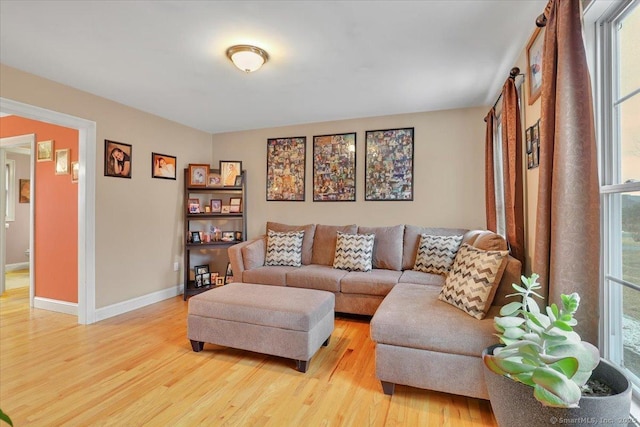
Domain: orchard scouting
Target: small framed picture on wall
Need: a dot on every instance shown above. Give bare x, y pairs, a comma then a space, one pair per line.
63, 162
117, 159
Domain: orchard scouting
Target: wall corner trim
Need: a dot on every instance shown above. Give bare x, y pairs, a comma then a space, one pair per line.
138, 302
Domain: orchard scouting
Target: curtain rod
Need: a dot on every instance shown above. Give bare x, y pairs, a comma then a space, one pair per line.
515, 72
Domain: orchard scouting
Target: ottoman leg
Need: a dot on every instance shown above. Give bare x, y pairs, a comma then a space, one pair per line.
302, 365
197, 345
326, 343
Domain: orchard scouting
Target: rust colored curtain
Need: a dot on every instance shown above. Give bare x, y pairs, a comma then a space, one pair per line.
567, 249
512, 167
489, 177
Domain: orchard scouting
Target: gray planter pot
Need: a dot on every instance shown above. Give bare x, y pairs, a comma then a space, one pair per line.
513, 403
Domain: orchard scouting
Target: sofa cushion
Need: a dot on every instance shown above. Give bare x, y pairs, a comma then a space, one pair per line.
412, 236
307, 242
284, 248
324, 242
354, 252
314, 276
268, 275
375, 282
387, 248
490, 241
253, 254
420, 278
436, 253
412, 316
473, 280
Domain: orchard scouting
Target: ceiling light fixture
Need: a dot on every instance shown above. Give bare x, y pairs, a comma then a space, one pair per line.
246, 57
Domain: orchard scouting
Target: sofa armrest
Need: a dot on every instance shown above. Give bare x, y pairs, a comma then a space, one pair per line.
512, 273
236, 258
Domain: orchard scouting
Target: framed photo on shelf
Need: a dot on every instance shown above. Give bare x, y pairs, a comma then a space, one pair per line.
194, 206
201, 269
163, 166
334, 168
213, 179
534, 64
198, 278
229, 170
63, 161
235, 204
228, 277
389, 165
45, 151
226, 209
219, 280
216, 205
198, 175
239, 179
228, 236
286, 169
117, 159
238, 235
206, 279
195, 237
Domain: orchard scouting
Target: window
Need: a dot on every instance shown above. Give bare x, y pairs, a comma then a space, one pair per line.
619, 139
10, 189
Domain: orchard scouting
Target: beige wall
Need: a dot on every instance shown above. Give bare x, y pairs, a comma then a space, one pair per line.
138, 220
449, 173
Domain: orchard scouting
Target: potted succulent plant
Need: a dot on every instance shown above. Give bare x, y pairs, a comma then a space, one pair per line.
545, 373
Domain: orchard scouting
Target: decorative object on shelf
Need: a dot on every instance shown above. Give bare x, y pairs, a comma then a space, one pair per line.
247, 58
117, 159
286, 169
235, 204
75, 171
214, 179
228, 236
216, 205
334, 168
389, 165
45, 151
229, 170
62, 161
228, 277
198, 175
533, 145
238, 182
194, 206
534, 64
163, 166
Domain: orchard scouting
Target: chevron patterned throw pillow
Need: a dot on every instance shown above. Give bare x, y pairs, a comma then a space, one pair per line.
436, 253
473, 280
284, 248
354, 252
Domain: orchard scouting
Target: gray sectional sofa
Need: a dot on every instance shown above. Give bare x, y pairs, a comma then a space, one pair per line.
420, 341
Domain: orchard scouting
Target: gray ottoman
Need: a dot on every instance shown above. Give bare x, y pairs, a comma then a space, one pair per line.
275, 320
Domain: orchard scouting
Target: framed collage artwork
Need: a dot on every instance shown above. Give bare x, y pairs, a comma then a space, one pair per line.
389, 165
286, 168
334, 168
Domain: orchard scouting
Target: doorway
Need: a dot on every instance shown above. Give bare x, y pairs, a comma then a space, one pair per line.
86, 197
16, 158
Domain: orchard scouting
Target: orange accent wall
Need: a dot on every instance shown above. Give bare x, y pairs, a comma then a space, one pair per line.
56, 212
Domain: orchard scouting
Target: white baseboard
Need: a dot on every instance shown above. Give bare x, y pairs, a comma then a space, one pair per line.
17, 266
56, 305
136, 303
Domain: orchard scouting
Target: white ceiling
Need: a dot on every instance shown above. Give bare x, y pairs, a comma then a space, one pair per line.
330, 60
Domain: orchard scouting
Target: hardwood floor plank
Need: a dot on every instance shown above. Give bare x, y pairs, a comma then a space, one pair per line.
138, 369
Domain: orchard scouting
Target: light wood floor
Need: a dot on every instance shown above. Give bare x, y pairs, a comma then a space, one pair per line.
138, 369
